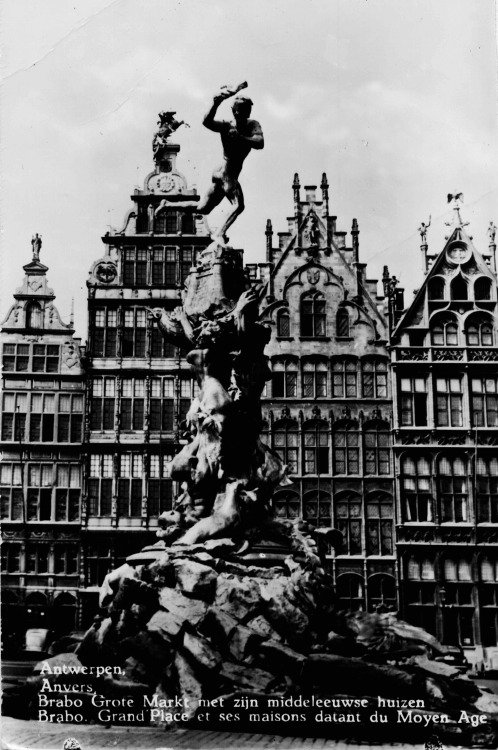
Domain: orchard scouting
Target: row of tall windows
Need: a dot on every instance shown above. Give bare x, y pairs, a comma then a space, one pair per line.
163, 265
40, 491
448, 401
40, 558
343, 378
313, 321
128, 332
123, 478
439, 491
42, 417
378, 592
366, 525
31, 357
460, 288
309, 450
478, 331
164, 399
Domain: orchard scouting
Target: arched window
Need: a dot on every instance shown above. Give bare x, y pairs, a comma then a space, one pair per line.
382, 592
379, 506
444, 331
344, 378
374, 378
286, 504
346, 448
377, 442
284, 378
350, 591
286, 444
348, 519
436, 288
459, 290
316, 448
315, 377
489, 569
317, 508
342, 323
313, 315
283, 323
479, 331
416, 490
482, 288
453, 490
34, 315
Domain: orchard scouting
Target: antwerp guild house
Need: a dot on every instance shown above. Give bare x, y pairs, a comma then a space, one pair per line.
387, 418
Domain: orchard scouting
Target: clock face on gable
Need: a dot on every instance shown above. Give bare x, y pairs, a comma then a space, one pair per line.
164, 183
458, 254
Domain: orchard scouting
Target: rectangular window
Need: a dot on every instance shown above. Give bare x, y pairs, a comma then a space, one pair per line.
15, 406
130, 485
314, 380
452, 482
316, 452
134, 333
103, 403
413, 402
284, 379
105, 333
485, 402
100, 485
344, 379
346, 452
134, 267
46, 358
16, 357
133, 404
449, 402
374, 379
162, 403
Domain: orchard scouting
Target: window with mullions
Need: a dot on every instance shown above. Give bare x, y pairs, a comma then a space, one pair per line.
374, 378
15, 407
130, 485
99, 562
316, 449
342, 323
484, 402
417, 502
420, 592
65, 559
187, 259
134, 332
488, 600
37, 558
283, 323
444, 332
350, 592
164, 266
70, 418
132, 404
346, 440
379, 507
134, 266
487, 490
11, 558
317, 508
348, 517
453, 498
188, 223
105, 333
344, 377
68, 492
158, 346
284, 379
479, 331
103, 403
377, 453
459, 607
16, 357
188, 390
12, 494
413, 402
449, 402
42, 418
286, 444
160, 487
315, 375
286, 504
39, 492
100, 485
46, 357
162, 404
313, 315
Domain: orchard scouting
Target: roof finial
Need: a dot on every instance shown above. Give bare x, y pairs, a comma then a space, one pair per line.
71, 319
36, 243
423, 231
457, 222
492, 232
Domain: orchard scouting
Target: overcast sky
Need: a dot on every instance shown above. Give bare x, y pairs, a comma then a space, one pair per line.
396, 101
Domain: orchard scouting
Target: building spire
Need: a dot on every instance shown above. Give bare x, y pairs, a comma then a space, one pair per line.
36, 243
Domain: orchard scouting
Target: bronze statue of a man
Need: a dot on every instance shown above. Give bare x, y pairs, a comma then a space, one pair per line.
238, 137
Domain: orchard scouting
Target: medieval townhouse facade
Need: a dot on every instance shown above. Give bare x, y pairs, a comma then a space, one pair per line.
139, 387
41, 477
328, 407
445, 391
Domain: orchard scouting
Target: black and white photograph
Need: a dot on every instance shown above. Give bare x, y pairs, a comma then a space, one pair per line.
249, 374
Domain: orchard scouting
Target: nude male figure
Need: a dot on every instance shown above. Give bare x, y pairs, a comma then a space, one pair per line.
238, 138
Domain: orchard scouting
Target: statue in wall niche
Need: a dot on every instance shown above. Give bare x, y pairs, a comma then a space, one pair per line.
238, 137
